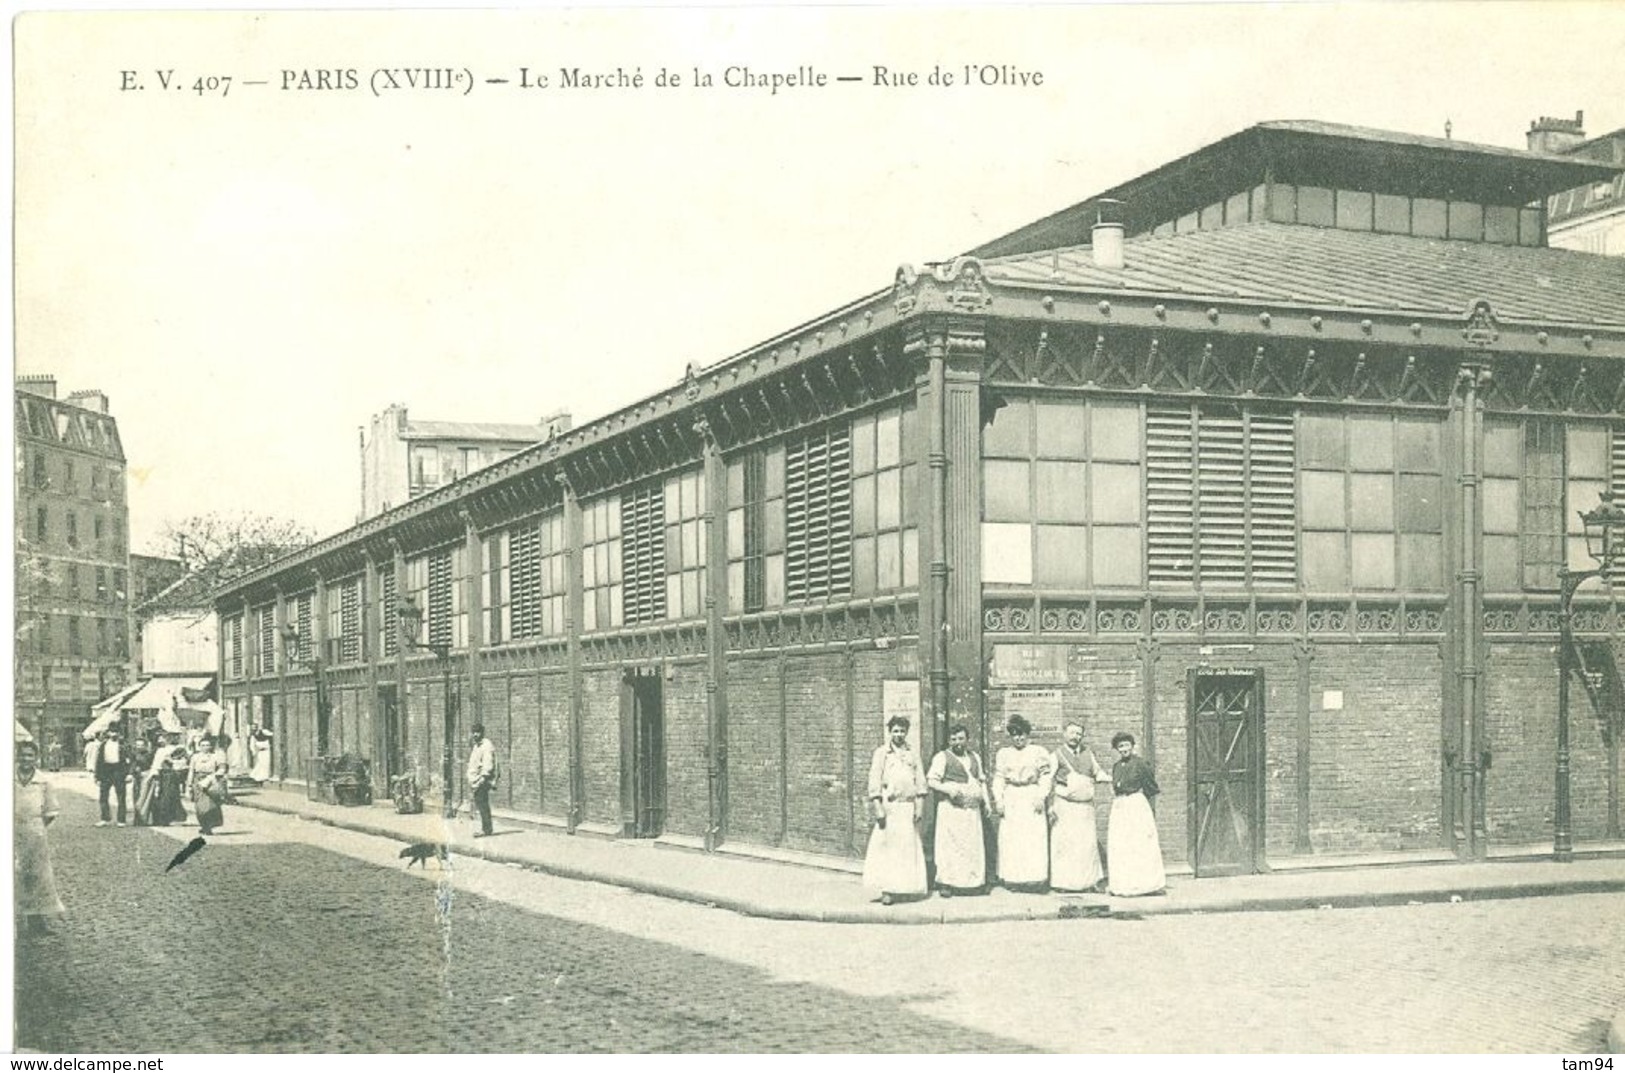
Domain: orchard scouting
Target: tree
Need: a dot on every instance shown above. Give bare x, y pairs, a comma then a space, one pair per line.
216, 549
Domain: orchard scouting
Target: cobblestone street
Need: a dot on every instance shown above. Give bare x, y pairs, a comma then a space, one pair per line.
282, 935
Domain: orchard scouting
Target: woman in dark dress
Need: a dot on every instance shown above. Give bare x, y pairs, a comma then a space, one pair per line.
1133, 851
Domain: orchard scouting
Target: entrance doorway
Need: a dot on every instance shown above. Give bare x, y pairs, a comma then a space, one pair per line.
648, 754
394, 743
1225, 764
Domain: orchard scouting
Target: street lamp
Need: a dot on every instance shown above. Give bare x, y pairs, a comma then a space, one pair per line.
410, 617
293, 644
1604, 533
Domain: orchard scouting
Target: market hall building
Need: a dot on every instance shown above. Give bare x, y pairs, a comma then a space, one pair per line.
1276, 468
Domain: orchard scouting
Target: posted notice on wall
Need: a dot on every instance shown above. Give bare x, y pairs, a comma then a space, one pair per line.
901, 696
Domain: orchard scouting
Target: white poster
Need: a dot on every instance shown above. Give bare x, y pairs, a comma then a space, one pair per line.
901, 696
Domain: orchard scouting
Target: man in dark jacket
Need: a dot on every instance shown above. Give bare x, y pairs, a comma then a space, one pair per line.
112, 766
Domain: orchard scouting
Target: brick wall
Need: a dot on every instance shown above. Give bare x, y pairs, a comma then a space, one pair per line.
755, 770
687, 790
551, 706
601, 745
1521, 727
507, 736
818, 790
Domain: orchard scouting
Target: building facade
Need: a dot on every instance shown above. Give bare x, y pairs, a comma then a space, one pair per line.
402, 459
1589, 217
72, 532
1275, 468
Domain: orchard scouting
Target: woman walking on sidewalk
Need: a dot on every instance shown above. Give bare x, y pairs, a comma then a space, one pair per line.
208, 785
1133, 851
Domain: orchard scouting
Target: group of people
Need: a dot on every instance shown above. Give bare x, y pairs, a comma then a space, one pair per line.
161, 776
1042, 802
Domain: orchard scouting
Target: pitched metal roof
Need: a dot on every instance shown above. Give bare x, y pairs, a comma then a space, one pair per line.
1356, 270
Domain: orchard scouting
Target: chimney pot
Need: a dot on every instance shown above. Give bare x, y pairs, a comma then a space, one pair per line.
1106, 243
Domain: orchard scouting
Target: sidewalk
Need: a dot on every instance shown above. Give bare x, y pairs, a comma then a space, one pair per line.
786, 891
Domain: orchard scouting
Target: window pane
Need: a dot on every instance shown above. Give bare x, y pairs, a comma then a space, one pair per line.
887, 499
736, 587
888, 439
1062, 491
773, 576
1503, 448
1421, 504
911, 557
674, 499
908, 482
1371, 501
1588, 453
863, 504
1373, 560
1427, 217
1354, 210
1579, 557
1062, 556
1418, 445
1501, 563
736, 482
1324, 565
1322, 500
1466, 220
1320, 441
1116, 431
1393, 213
1315, 206
773, 531
1007, 553
863, 565
774, 473
863, 444
1062, 432
1007, 436
691, 593
736, 534
1116, 493
888, 561
1421, 562
693, 544
1005, 492
1500, 504
1371, 442
1117, 556
1583, 495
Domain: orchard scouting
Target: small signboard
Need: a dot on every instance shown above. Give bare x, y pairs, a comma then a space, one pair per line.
1040, 707
1016, 665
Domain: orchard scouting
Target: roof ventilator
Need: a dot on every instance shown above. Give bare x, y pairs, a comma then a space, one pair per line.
1106, 237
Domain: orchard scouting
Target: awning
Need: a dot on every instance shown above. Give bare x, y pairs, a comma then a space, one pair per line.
156, 693
22, 733
165, 697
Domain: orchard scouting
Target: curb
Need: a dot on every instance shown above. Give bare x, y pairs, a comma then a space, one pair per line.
1120, 909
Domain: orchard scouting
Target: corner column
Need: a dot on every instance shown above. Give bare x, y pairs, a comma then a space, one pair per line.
716, 639
952, 349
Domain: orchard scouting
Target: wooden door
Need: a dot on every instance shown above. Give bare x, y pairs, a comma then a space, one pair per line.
1226, 761
648, 758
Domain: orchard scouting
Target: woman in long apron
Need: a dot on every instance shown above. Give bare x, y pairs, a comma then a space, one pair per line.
1133, 851
894, 865
1021, 784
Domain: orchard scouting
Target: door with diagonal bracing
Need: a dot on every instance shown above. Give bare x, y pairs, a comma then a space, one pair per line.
1226, 762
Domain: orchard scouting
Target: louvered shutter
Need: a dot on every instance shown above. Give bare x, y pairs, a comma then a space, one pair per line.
1271, 505
236, 625
301, 616
818, 516
267, 641
525, 581
643, 555
390, 600
350, 622
1221, 493
1170, 496
440, 598
1616, 484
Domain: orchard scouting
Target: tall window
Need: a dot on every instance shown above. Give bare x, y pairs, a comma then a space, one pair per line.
818, 515
41, 475
554, 557
444, 608
73, 581
233, 627
267, 646
885, 540
344, 620
643, 555
1539, 474
756, 529
1061, 494
601, 564
73, 529
1373, 502
685, 541
389, 637
300, 612
523, 595
42, 524
75, 646
1219, 494
494, 590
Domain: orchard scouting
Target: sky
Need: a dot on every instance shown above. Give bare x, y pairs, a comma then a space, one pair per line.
250, 274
